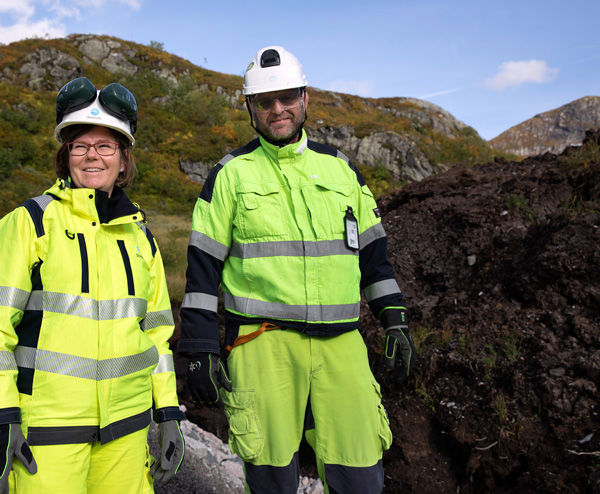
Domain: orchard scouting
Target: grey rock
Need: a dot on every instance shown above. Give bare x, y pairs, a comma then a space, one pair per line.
209, 466
196, 170
551, 131
166, 74
399, 154
116, 62
95, 48
234, 98
48, 68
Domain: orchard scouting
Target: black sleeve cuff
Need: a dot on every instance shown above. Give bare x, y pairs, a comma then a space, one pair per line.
168, 413
10, 415
394, 316
189, 347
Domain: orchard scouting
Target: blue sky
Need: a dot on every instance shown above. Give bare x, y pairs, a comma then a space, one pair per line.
492, 64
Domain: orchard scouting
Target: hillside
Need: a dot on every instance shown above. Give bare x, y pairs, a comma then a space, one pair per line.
500, 267
551, 131
190, 117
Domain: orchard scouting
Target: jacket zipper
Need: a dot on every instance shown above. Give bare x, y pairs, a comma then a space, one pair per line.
85, 270
127, 264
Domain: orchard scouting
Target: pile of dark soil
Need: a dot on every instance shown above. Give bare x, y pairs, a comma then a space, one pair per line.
500, 267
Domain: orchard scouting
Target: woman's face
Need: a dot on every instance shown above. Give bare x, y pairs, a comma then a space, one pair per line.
93, 170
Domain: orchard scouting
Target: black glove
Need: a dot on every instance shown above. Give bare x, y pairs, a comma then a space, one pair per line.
13, 444
206, 375
172, 447
399, 351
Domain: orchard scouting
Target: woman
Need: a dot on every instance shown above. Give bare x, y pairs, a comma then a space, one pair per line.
85, 317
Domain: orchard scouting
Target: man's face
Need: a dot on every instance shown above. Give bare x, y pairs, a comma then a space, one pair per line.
279, 114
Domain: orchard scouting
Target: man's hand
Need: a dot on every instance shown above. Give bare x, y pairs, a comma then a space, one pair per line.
399, 351
206, 375
172, 447
13, 444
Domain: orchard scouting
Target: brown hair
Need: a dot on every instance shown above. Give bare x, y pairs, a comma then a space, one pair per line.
72, 132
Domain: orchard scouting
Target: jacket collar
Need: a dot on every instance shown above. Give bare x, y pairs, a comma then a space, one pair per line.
290, 151
95, 204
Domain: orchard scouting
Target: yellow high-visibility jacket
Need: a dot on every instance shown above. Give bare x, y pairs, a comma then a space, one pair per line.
84, 319
292, 235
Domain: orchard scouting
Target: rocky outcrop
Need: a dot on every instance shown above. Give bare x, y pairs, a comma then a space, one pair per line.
399, 154
427, 115
552, 131
44, 66
195, 170
409, 138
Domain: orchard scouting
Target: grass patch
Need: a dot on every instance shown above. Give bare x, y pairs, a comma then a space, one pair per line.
172, 234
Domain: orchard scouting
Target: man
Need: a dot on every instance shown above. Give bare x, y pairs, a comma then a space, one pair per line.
291, 233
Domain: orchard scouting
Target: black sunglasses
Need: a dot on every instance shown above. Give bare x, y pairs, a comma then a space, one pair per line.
116, 99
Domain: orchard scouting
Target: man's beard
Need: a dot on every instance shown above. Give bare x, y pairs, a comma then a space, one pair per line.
280, 141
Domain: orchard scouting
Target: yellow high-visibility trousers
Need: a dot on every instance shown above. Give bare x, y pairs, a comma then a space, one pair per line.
120, 466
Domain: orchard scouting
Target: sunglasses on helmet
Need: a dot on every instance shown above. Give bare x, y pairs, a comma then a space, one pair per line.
116, 99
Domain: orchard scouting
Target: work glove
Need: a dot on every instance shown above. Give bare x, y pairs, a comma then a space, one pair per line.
13, 443
399, 351
172, 448
206, 375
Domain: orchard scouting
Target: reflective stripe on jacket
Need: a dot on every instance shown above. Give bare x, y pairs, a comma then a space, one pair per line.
270, 227
84, 319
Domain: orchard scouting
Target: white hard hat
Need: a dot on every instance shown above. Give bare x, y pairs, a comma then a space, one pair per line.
273, 69
94, 114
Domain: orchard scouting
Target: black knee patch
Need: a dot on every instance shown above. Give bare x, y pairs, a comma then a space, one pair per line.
364, 480
267, 479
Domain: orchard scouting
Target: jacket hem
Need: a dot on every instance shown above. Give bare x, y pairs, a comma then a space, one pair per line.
10, 415
45, 436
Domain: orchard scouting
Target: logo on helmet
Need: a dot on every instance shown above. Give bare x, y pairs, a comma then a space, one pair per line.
94, 112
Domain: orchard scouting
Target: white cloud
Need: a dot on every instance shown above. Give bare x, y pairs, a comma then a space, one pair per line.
43, 18
438, 93
360, 88
133, 4
522, 72
19, 8
44, 28
23, 26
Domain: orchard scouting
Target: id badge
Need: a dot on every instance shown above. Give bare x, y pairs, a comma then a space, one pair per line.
351, 230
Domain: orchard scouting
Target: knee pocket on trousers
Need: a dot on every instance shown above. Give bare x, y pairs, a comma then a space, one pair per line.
245, 434
383, 422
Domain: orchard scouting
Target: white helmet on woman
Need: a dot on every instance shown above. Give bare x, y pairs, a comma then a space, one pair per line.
273, 68
79, 102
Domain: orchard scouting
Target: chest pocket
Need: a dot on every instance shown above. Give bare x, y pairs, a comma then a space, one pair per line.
259, 213
327, 204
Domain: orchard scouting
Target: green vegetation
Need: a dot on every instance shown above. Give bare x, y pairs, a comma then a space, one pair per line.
500, 408
511, 346
489, 362
586, 157
185, 113
517, 202
172, 233
379, 179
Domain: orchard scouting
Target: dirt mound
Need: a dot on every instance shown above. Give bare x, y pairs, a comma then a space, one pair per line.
500, 267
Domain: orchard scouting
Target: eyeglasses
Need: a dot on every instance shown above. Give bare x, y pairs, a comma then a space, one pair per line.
102, 148
289, 99
116, 99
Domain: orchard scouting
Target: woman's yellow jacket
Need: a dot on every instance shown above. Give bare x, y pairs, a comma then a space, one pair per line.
84, 319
